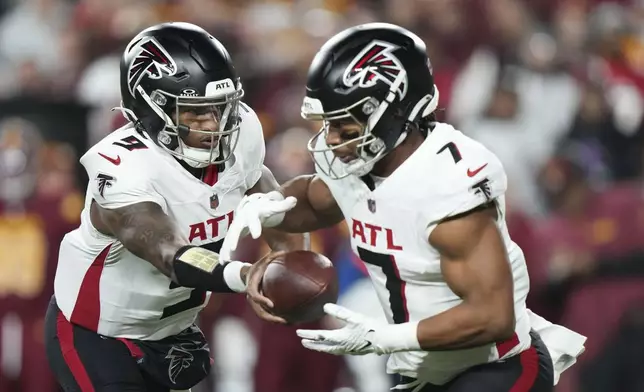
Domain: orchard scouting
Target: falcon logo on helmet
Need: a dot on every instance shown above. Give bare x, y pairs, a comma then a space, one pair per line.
150, 61
374, 63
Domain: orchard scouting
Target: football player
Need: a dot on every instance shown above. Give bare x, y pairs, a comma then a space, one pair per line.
426, 212
135, 274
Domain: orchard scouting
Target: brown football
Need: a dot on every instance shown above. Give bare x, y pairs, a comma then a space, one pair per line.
299, 283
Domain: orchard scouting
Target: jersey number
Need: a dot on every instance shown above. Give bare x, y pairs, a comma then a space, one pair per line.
394, 284
197, 297
453, 150
131, 143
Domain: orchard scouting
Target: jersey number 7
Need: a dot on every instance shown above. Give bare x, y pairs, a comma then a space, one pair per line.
453, 150
395, 286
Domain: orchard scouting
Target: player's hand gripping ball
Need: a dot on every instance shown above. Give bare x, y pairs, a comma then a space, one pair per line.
297, 284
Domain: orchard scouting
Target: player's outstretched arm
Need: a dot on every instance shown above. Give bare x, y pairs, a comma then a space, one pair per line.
301, 205
146, 231
475, 265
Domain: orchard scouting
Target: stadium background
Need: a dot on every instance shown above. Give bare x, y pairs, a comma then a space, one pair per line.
554, 87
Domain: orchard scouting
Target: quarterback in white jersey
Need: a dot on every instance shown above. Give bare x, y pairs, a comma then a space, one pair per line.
426, 213
162, 192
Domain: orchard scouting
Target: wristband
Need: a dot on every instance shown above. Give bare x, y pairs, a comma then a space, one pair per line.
398, 337
200, 268
232, 276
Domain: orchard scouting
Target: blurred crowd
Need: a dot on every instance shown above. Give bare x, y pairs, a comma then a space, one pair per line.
554, 87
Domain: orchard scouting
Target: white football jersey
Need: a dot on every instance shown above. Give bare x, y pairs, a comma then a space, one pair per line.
447, 175
99, 284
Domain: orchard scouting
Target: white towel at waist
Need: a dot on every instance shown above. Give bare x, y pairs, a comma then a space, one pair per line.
564, 345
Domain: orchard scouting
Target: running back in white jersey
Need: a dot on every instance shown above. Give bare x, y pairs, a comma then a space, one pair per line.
447, 175
99, 284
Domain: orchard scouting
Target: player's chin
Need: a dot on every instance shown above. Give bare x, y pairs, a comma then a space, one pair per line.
207, 146
347, 158
204, 144
207, 143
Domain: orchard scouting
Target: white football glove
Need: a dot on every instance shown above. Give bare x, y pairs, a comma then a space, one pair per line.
361, 335
253, 212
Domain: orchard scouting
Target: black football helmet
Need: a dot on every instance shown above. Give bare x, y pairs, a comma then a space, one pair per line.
375, 74
172, 67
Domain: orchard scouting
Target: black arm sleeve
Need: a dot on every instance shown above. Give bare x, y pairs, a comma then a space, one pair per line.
199, 268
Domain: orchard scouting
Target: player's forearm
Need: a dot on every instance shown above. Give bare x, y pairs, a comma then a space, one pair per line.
148, 237
148, 233
279, 240
304, 217
187, 265
300, 220
195, 267
200, 268
465, 326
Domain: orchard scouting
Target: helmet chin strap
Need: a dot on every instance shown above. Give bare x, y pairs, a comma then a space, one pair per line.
361, 166
196, 157
364, 165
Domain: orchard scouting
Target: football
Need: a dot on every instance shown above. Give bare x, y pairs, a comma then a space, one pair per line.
299, 283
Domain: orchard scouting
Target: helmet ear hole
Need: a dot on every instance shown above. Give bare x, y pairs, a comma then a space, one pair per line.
167, 140
158, 98
375, 147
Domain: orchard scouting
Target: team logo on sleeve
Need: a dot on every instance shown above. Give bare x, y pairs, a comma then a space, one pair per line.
104, 181
483, 188
376, 62
151, 60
